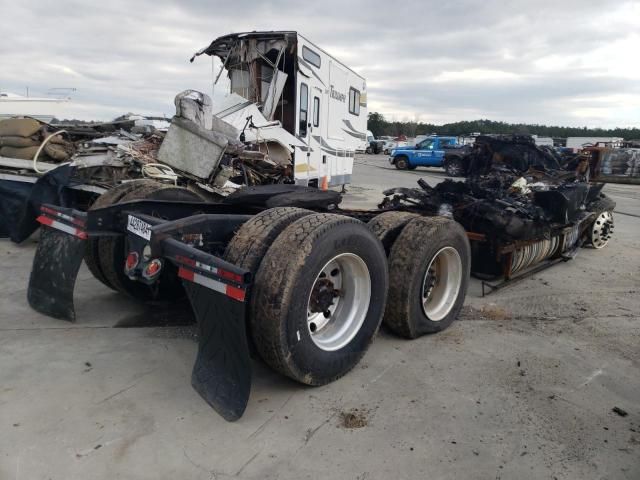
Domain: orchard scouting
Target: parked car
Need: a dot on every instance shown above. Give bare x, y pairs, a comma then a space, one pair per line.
433, 151
455, 161
374, 146
393, 142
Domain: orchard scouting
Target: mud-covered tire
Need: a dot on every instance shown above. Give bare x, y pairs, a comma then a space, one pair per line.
110, 197
250, 243
420, 247
388, 225
112, 254
401, 163
279, 305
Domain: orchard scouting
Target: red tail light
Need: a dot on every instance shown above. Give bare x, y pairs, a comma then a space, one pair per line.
152, 269
132, 261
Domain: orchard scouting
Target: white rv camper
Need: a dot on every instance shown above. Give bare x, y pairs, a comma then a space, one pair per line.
283, 77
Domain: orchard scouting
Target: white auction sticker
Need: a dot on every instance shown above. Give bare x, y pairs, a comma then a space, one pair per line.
139, 227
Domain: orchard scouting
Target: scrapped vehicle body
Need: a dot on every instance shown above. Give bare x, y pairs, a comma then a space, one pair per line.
293, 114
313, 96
606, 164
280, 270
521, 210
96, 157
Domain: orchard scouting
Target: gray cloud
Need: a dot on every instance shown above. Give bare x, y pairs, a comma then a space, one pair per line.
544, 61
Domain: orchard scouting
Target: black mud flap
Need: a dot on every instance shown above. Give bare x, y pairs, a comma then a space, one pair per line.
222, 372
53, 276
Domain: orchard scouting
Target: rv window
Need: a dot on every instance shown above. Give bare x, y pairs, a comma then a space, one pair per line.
310, 56
316, 111
354, 101
304, 108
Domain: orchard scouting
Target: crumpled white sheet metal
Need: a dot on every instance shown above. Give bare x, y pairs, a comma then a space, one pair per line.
235, 109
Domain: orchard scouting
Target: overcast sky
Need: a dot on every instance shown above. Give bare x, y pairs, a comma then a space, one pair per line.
563, 62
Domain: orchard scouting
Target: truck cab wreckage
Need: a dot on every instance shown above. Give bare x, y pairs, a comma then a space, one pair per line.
522, 211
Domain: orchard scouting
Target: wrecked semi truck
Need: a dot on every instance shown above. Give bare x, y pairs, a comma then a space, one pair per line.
278, 270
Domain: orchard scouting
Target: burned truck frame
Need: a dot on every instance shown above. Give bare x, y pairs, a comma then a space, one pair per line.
276, 271
522, 211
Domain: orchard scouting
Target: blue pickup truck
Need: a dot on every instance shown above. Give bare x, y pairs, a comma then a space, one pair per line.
432, 152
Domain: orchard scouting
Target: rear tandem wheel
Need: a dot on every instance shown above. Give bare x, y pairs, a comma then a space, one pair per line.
429, 266
318, 297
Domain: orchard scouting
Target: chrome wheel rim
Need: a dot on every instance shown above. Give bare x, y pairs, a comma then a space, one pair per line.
602, 229
338, 301
441, 284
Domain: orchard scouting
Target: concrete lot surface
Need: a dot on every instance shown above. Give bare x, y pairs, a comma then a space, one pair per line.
522, 386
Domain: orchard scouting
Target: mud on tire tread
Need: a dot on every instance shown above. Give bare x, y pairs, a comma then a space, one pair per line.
284, 277
250, 243
410, 255
388, 225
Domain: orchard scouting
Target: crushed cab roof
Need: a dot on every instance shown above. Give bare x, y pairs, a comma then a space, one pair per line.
221, 45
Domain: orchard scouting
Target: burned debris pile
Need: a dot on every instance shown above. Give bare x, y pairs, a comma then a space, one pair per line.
71, 164
518, 206
259, 134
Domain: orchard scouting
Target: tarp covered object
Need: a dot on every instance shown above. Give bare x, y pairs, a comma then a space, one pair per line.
20, 201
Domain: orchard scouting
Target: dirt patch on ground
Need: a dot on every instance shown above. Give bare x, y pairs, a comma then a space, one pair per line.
488, 311
354, 418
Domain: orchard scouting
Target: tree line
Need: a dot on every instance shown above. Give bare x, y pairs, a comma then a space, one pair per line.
379, 126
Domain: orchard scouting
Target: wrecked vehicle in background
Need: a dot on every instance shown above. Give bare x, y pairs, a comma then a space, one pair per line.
293, 114
522, 211
607, 164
